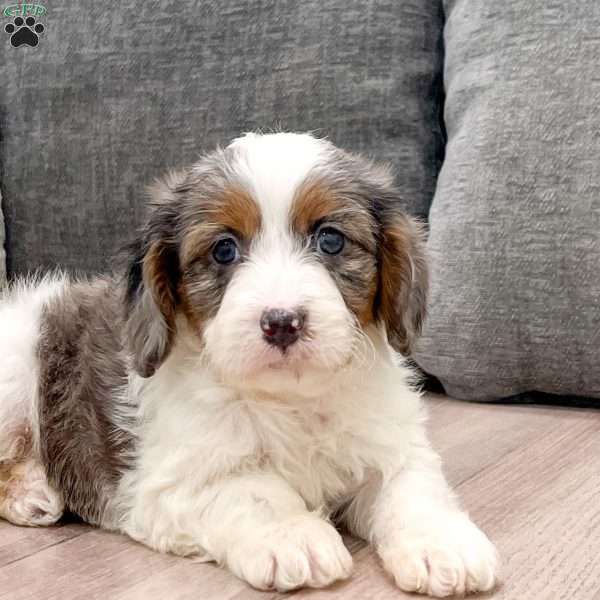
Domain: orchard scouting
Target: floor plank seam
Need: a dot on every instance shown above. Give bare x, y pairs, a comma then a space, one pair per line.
517, 449
42, 549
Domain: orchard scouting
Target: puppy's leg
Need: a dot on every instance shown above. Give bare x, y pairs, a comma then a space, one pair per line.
26, 497
257, 526
425, 541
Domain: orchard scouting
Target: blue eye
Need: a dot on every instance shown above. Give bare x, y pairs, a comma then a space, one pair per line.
226, 251
330, 241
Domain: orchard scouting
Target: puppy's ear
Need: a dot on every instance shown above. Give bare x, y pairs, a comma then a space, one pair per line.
152, 277
403, 277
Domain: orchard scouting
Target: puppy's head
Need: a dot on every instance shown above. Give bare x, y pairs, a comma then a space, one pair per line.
277, 254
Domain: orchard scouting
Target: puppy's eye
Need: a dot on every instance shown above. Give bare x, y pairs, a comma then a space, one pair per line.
226, 251
330, 241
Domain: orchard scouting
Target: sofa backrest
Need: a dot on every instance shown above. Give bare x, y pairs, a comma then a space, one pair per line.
109, 99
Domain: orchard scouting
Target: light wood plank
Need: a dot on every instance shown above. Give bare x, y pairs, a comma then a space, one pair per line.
94, 565
20, 542
183, 581
540, 506
190, 581
470, 436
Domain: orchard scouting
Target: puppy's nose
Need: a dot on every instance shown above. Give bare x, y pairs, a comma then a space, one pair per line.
282, 328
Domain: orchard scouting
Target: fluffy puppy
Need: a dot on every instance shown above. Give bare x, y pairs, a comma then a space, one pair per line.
244, 382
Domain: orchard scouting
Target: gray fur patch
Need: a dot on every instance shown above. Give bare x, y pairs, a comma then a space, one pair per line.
85, 438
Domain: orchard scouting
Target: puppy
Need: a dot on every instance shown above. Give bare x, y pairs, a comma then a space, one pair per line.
241, 384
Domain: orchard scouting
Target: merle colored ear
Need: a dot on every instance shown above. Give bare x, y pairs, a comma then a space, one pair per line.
152, 278
403, 277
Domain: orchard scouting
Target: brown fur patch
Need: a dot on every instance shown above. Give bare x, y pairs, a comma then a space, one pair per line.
313, 202
233, 210
195, 315
11, 474
403, 282
366, 315
158, 279
355, 269
238, 211
11, 467
203, 283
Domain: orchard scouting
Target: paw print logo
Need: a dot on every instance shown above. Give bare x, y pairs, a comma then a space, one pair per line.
24, 31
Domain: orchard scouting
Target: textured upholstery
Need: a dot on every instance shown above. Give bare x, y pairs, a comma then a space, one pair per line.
515, 222
2, 252
115, 94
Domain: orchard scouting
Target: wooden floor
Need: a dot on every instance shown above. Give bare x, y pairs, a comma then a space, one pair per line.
530, 476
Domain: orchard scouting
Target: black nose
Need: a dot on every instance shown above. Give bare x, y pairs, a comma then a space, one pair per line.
282, 328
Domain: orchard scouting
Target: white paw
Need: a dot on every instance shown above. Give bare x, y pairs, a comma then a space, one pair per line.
442, 557
300, 551
27, 499
39, 508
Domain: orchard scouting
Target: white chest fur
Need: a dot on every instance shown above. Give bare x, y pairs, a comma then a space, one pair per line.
195, 432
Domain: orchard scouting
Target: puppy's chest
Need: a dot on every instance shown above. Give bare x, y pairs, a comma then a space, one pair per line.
320, 454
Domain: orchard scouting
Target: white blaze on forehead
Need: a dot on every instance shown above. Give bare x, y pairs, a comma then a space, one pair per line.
274, 165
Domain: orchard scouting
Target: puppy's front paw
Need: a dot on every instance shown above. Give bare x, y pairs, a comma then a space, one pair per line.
441, 557
300, 551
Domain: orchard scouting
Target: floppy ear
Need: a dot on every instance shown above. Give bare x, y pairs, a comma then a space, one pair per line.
403, 279
152, 277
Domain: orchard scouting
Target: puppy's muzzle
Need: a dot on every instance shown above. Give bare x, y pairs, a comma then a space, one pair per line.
282, 328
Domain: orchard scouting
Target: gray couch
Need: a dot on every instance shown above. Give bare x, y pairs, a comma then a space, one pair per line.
501, 104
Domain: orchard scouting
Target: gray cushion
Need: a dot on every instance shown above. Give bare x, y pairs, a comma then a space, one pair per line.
2, 252
111, 97
515, 222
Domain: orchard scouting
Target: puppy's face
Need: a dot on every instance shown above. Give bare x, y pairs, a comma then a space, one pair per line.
277, 253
